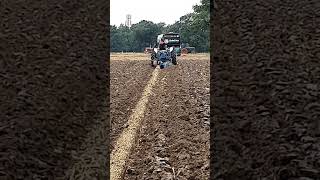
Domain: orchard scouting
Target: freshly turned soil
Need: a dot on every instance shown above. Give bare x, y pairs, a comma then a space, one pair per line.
174, 137
53, 90
265, 90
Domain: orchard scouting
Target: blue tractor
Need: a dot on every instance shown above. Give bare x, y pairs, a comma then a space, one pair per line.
165, 52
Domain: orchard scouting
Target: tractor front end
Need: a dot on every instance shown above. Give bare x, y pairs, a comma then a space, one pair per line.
168, 56
163, 58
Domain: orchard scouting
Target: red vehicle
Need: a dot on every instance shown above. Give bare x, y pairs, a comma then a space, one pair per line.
148, 50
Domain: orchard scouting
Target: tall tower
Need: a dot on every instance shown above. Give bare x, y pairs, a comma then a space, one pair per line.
128, 20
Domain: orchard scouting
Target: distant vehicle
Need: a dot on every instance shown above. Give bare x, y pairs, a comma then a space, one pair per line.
188, 50
184, 51
148, 50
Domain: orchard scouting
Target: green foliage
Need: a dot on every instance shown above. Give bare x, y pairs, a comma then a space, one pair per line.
193, 28
145, 34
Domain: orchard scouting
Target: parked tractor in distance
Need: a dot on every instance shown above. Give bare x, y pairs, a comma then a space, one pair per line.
148, 50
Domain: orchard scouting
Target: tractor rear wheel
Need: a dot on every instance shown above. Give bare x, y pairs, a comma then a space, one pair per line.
174, 57
154, 64
153, 55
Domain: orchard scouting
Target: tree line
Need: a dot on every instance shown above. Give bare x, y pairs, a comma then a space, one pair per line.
193, 29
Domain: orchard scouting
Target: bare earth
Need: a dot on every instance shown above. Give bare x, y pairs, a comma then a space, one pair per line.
173, 141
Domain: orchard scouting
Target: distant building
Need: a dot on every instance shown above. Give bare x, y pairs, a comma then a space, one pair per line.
128, 21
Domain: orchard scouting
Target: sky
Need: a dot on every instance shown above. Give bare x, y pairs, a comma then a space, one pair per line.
167, 11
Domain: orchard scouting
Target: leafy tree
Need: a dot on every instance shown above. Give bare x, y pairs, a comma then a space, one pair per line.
145, 33
193, 28
115, 39
200, 23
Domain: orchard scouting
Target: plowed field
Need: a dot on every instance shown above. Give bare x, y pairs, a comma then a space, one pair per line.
160, 118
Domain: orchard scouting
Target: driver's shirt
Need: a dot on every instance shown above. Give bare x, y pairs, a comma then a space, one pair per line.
162, 45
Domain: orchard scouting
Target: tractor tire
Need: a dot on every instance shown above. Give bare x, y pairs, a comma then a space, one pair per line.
154, 64
153, 56
174, 58
161, 66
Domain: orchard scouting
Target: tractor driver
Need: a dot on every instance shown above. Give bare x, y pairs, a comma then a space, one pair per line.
162, 45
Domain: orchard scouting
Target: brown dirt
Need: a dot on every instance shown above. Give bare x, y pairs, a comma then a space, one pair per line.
265, 109
175, 132
129, 56
128, 79
53, 90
